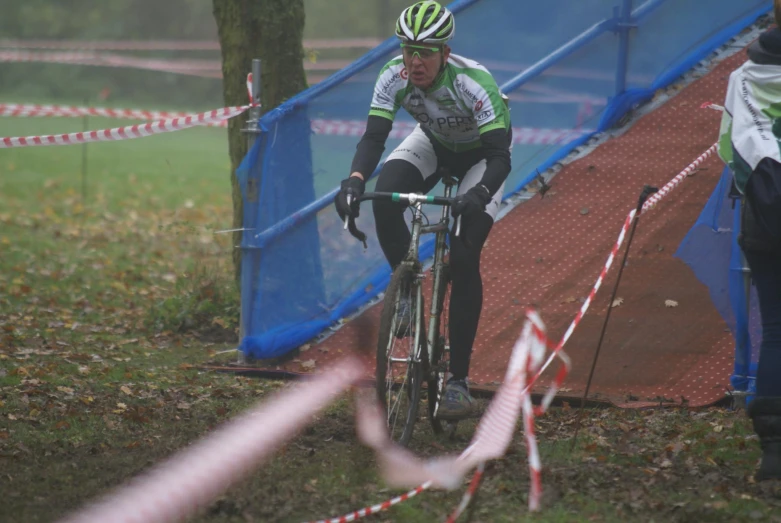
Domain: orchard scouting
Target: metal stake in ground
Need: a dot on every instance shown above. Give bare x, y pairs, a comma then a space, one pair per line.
647, 191
84, 159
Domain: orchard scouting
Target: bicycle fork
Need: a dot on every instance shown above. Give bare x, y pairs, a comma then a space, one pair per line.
436, 353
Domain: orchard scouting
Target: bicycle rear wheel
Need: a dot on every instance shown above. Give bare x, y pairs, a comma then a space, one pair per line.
401, 349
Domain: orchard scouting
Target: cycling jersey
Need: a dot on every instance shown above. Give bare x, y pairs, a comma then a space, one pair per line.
463, 103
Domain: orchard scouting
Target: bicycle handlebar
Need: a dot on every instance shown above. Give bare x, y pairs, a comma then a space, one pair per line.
409, 198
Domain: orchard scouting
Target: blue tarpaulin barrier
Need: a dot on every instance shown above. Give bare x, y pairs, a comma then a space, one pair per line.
711, 250
571, 69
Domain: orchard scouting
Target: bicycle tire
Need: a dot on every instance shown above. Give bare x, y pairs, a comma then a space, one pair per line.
400, 418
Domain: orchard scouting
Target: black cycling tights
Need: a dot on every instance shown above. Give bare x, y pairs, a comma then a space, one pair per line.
466, 293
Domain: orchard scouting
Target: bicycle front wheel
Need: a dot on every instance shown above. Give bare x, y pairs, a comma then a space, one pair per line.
401, 349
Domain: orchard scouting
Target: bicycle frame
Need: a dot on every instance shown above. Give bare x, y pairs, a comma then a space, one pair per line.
441, 230
432, 368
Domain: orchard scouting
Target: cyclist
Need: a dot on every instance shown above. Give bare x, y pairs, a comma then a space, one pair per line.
463, 126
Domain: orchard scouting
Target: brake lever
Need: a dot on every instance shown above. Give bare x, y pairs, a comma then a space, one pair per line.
349, 199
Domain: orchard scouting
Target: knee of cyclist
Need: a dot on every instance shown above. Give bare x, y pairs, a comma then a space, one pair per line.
384, 209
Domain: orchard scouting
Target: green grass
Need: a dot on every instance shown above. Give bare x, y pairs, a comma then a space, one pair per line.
165, 171
109, 305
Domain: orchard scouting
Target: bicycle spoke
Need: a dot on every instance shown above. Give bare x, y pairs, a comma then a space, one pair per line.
397, 394
398, 364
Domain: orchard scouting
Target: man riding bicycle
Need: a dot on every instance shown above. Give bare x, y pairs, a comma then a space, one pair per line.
463, 127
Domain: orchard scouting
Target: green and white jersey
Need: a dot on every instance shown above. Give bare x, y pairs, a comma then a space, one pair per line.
463, 103
751, 123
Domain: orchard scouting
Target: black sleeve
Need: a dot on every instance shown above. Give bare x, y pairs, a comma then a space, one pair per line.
496, 144
372, 145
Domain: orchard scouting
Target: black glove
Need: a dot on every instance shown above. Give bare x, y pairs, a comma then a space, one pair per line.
355, 187
472, 202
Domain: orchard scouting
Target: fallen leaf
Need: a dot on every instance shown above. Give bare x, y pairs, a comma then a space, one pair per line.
670, 303
66, 390
83, 369
308, 364
126, 390
62, 425
87, 400
182, 405
617, 302
12, 417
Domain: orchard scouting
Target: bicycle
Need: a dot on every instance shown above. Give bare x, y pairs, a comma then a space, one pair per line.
402, 369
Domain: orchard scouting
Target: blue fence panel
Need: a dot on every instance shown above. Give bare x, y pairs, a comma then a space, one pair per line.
569, 68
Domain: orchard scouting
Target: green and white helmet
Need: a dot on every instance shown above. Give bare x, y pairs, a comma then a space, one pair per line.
426, 22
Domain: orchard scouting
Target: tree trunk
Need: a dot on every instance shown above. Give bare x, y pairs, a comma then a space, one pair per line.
271, 30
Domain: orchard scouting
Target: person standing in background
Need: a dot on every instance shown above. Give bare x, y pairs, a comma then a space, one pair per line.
750, 143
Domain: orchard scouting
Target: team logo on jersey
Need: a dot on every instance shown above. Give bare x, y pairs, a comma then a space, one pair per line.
404, 74
478, 106
446, 101
485, 115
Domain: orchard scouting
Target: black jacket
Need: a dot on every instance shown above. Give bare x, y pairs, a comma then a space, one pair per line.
761, 216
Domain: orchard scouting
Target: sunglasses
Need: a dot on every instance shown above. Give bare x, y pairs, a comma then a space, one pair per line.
423, 51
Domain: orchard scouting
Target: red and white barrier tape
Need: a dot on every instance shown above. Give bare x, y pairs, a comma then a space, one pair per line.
401, 129
380, 507
675, 182
34, 110
711, 105
188, 66
649, 204
171, 45
128, 132
468, 495
193, 478
204, 68
190, 480
493, 435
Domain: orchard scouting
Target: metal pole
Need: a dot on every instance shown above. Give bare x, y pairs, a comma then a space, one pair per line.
84, 159
623, 28
647, 191
252, 131
746, 336
254, 112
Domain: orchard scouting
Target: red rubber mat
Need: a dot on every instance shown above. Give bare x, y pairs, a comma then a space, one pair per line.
549, 251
